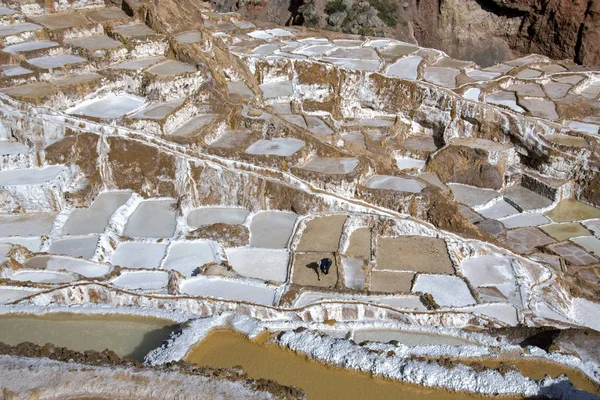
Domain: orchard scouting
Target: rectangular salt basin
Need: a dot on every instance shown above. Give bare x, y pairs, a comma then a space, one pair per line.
283, 147
194, 125
139, 255
277, 89
111, 106
497, 210
84, 246
216, 215
152, 218
229, 289
13, 29
83, 221
34, 224
333, 166
9, 147
407, 338
405, 68
30, 46
409, 163
271, 229
187, 257
31, 243
138, 64
144, 280
57, 263
9, 294
265, 264
30, 176
42, 276
402, 302
354, 273
57, 61
447, 291
395, 183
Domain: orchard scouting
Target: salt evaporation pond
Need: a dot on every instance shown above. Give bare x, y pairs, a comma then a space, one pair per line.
139, 255
265, 264
407, 338
94, 219
144, 280
186, 257
30, 176
216, 215
271, 229
152, 218
57, 263
226, 348
111, 106
37, 276
395, 183
334, 166
283, 147
229, 289
127, 335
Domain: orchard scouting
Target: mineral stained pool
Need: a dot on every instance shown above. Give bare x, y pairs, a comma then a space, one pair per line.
127, 335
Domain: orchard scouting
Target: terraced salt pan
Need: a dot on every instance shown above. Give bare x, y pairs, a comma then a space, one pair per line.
357, 65
84, 246
139, 63
30, 176
186, 257
265, 264
491, 271
589, 243
138, 31
497, 210
472, 94
194, 124
409, 163
276, 89
472, 196
57, 61
31, 224
442, 76
31, 243
216, 215
318, 126
30, 46
157, 111
143, 280
152, 218
14, 29
401, 302
15, 70
333, 166
271, 229
395, 183
83, 221
57, 263
109, 107
407, 338
405, 68
228, 289
447, 291
283, 147
92, 43
37, 276
189, 37
9, 294
521, 220
139, 255
171, 68
583, 127
354, 272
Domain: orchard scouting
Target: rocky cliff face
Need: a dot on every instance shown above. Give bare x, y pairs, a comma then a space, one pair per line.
484, 31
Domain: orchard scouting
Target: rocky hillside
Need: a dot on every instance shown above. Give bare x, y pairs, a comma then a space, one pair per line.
484, 31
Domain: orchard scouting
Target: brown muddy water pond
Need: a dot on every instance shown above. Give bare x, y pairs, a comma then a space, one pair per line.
226, 348
127, 335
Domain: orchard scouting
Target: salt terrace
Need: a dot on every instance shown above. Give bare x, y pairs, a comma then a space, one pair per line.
208, 165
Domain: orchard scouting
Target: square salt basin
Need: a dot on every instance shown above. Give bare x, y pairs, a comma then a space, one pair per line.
157, 111
271, 229
186, 257
108, 107
589, 243
277, 89
283, 147
83, 221
84, 246
152, 218
447, 291
265, 264
229, 289
216, 215
472, 196
331, 166
499, 209
142, 280
57, 61
572, 210
395, 183
139, 255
